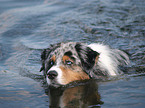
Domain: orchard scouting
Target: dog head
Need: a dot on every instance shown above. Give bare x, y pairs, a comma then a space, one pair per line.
67, 62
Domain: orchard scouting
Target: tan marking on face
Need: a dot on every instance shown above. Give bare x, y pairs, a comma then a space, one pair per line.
53, 58
66, 58
69, 75
96, 60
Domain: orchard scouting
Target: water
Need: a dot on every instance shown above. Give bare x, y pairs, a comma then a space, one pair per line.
28, 26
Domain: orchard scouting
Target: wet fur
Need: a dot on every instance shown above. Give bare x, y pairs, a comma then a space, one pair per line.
88, 61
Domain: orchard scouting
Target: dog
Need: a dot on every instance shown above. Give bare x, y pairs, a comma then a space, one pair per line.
63, 63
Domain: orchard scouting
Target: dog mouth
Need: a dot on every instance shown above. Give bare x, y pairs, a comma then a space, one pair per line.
53, 82
52, 78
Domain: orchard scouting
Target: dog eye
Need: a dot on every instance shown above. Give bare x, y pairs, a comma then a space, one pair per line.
67, 62
51, 62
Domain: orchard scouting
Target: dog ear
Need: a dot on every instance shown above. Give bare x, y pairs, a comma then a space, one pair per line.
43, 57
87, 56
46, 52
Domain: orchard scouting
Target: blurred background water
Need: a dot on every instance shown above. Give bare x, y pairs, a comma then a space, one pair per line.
28, 26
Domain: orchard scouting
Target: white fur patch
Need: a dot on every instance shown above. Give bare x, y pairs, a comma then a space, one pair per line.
48, 81
109, 59
59, 77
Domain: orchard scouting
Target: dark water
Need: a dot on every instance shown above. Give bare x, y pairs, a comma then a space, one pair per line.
28, 26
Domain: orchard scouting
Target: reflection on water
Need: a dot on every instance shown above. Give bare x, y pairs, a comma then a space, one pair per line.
81, 96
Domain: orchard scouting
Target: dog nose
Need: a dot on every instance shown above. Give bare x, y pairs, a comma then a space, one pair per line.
52, 74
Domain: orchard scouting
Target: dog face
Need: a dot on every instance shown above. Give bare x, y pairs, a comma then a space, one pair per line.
67, 62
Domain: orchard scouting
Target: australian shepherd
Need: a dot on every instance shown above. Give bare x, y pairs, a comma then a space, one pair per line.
63, 63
